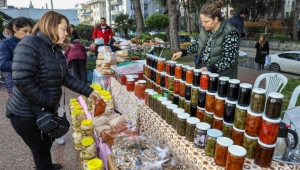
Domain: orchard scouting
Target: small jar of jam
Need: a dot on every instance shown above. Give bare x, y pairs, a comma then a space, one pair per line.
164, 108
229, 110
194, 95
238, 136
217, 123
219, 106
264, 154
167, 81
269, 130
189, 75
235, 157
172, 68
159, 104
209, 117
253, 123
223, 86
175, 112
204, 80
190, 128
181, 102
187, 106
140, 89
176, 86
200, 134
157, 79
196, 77
200, 113
201, 97
188, 91
227, 129
245, 94
169, 113
182, 88
181, 123
274, 105
258, 100
210, 102
176, 99
221, 150
178, 71
240, 116
250, 144
147, 91
130, 85
162, 79
233, 89
213, 82
210, 141
184, 68
168, 66
161, 64
171, 83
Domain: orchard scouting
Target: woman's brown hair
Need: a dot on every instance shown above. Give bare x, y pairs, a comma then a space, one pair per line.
48, 25
263, 41
212, 10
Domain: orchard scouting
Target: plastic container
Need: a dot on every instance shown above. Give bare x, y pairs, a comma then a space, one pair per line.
264, 154
233, 89
88, 149
235, 157
237, 136
181, 123
200, 113
227, 129
213, 83
221, 150
77, 137
190, 128
219, 106
274, 105
204, 80
240, 116
210, 141
217, 123
250, 144
210, 102
245, 94
258, 100
95, 164
77, 116
196, 77
200, 134
87, 128
269, 130
175, 112
223, 86
253, 123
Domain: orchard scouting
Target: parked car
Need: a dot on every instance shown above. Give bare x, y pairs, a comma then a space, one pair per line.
184, 38
153, 32
288, 61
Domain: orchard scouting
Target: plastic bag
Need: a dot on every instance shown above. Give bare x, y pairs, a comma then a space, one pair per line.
100, 121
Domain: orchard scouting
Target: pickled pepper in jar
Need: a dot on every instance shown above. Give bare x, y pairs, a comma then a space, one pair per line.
237, 136
221, 150
274, 105
244, 96
269, 130
253, 123
161, 64
157, 80
235, 157
140, 89
166, 81
182, 88
223, 86
217, 123
168, 67
200, 113
194, 95
233, 89
178, 71
219, 106
189, 75
258, 100
204, 80
196, 77
210, 102
176, 86
130, 85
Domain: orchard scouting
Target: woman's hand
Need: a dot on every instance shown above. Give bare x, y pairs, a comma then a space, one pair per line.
95, 97
176, 55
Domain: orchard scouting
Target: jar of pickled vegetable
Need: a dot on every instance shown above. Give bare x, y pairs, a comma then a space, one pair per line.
95, 164
167, 81
168, 66
209, 117
148, 74
223, 86
151, 94
130, 85
240, 116
189, 75
187, 106
211, 140
161, 64
157, 79
182, 88
253, 123
87, 128
188, 91
204, 80
227, 129
170, 95
219, 106
172, 68
147, 91
244, 96
176, 99
250, 144
176, 86
258, 100
193, 110
200, 113
233, 89
181, 102
178, 71
175, 112
77, 137
201, 97
221, 150
169, 113
140, 89
269, 130
210, 102
200, 134
194, 95
181, 123
196, 77
264, 154
217, 123
274, 105
238, 136
184, 68
190, 128
159, 104
164, 108
213, 83
155, 59
171, 83
77, 116
162, 79
88, 148
235, 157
229, 110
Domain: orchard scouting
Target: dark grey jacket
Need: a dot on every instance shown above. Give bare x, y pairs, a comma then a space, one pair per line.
39, 71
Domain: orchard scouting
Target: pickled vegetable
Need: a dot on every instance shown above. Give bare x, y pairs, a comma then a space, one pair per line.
219, 106
211, 140
269, 130
181, 102
200, 134
209, 117
169, 113
264, 154
217, 123
213, 83
178, 71
196, 77
181, 123
182, 88
171, 83
274, 105
194, 95
210, 102
189, 75
176, 86
240, 117
221, 150
227, 129
258, 100
200, 113
253, 123
235, 157
233, 88
250, 144
187, 106
201, 98
238, 136
190, 128
244, 94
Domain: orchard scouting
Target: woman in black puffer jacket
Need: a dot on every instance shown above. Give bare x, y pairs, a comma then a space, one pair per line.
39, 71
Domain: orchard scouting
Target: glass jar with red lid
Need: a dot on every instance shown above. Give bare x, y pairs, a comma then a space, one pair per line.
130, 85
235, 157
176, 86
223, 86
184, 68
161, 64
140, 89
237, 136
274, 105
269, 130
172, 67
189, 75
204, 80
217, 123
233, 89
178, 70
182, 88
219, 106
253, 123
221, 150
196, 77
213, 82
168, 66
210, 102
264, 154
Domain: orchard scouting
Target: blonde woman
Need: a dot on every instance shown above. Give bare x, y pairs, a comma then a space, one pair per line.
262, 50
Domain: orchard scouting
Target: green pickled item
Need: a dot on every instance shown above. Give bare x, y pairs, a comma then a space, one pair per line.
257, 104
170, 95
171, 83
194, 95
187, 106
155, 102
227, 130
250, 145
210, 146
181, 125
169, 115
181, 102
208, 118
189, 133
240, 118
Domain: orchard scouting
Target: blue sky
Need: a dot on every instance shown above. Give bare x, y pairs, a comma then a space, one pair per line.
57, 4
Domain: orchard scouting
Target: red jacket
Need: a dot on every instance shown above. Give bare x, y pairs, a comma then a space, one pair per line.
75, 51
99, 34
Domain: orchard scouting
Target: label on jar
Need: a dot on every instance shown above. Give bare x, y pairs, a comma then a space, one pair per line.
200, 139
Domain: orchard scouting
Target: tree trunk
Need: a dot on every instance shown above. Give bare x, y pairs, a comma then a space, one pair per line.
139, 20
296, 19
173, 25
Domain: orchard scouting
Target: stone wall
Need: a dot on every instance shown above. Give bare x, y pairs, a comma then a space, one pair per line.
276, 45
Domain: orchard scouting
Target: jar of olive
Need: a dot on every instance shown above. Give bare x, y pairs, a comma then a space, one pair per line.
164, 108
250, 144
217, 123
181, 123
190, 128
210, 101
221, 150
169, 113
227, 129
181, 102
159, 104
200, 113
170, 95
151, 98
147, 91
240, 116
208, 118
274, 105
200, 134
238, 136
155, 102
171, 83
211, 140
194, 95
187, 106
258, 100
175, 112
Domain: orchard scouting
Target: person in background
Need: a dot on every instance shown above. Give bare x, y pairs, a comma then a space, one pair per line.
6, 32
218, 43
39, 71
238, 21
74, 34
103, 31
20, 28
262, 50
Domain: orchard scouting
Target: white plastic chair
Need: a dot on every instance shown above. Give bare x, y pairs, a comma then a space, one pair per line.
294, 97
274, 81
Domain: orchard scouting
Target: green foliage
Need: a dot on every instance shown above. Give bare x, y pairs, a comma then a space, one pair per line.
157, 21
85, 42
161, 36
85, 31
124, 24
90, 65
145, 36
1, 24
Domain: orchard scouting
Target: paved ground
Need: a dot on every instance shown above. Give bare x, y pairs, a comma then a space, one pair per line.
14, 155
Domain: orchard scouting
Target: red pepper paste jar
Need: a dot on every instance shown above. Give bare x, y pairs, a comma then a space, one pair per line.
130, 85
269, 130
161, 64
176, 86
204, 80
168, 66
189, 75
178, 71
140, 89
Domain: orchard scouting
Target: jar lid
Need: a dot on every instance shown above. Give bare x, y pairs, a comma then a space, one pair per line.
226, 123
213, 75
172, 106
230, 102
276, 95
182, 81
142, 81
242, 107
193, 120
266, 145
253, 114
218, 118
202, 90
161, 59
178, 64
178, 110
203, 126
259, 91
152, 93
177, 79
200, 108
73, 100
186, 66
156, 96
75, 112
171, 76
224, 78
183, 115
175, 95
169, 61
187, 101
190, 68
130, 79
108, 97
271, 120
246, 85
166, 102
219, 97
205, 72
173, 62
86, 122
170, 91
162, 98
210, 93
163, 73
237, 150
195, 87
181, 98
129, 76
250, 137
234, 81
239, 130
95, 163
214, 133
198, 70
149, 90
224, 141
210, 113
87, 141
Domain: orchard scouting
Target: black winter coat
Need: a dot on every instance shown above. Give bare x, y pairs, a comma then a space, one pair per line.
39, 71
261, 52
